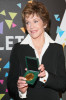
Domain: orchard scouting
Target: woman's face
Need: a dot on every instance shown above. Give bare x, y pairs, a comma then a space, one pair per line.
34, 26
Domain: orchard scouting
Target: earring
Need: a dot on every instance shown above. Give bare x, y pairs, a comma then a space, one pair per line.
45, 26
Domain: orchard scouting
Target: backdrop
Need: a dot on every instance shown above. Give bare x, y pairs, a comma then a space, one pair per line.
12, 31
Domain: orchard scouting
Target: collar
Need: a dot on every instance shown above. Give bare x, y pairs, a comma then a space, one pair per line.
28, 40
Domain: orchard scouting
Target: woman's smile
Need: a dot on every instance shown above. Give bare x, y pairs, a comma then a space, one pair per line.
33, 31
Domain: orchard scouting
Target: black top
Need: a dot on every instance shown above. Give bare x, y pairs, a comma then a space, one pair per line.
54, 62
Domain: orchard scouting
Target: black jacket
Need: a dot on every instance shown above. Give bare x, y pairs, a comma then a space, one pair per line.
54, 62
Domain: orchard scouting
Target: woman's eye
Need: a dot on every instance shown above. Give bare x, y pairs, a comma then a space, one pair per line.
27, 22
35, 21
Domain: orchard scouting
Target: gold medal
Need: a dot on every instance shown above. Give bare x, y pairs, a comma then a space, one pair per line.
29, 76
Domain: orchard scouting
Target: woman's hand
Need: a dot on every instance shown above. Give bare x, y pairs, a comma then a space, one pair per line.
42, 71
22, 85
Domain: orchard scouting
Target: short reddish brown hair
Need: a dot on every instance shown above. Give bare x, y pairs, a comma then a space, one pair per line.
37, 8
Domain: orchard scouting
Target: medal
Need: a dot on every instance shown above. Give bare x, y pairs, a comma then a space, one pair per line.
29, 76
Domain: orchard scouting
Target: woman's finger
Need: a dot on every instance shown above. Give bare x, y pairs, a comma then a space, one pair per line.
21, 82
25, 69
41, 67
22, 78
42, 74
22, 85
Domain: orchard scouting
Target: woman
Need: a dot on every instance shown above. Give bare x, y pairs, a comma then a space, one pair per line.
38, 44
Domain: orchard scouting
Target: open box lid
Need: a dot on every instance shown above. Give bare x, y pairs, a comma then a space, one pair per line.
32, 63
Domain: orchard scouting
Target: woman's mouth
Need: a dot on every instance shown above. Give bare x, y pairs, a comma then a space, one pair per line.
34, 31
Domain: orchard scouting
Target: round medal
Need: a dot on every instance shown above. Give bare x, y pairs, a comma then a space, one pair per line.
29, 76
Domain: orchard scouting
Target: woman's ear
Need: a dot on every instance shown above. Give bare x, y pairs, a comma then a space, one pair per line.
45, 25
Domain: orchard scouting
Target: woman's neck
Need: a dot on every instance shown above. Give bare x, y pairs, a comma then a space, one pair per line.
38, 44
39, 41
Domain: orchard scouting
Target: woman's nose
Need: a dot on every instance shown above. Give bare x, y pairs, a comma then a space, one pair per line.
31, 25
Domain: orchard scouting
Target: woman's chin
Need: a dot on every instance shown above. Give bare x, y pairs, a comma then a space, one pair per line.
35, 37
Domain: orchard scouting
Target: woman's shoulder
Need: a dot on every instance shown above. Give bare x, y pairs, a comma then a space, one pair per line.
16, 45
56, 46
19, 46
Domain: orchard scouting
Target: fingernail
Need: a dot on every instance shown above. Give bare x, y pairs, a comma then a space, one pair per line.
25, 79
